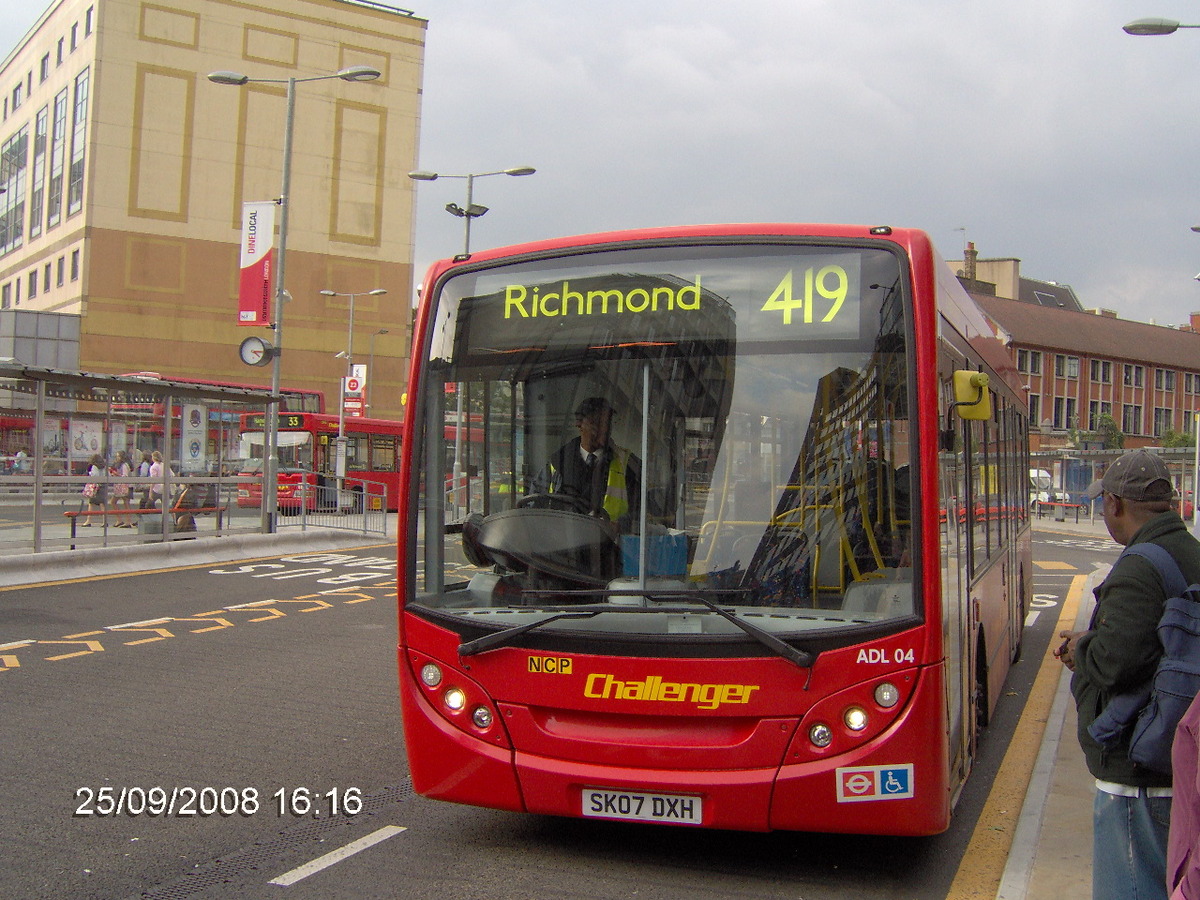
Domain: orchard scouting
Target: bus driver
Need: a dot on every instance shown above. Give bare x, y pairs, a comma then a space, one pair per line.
605, 477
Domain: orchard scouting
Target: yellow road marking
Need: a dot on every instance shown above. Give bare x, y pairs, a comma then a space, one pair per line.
218, 617
304, 598
982, 864
206, 617
162, 633
93, 647
1054, 564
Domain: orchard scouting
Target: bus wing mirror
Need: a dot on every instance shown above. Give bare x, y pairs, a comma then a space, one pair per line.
971, 397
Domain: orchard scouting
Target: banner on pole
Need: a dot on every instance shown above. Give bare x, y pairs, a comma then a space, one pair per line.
256, 286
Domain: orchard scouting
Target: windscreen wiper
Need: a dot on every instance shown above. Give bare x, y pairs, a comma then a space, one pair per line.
804, 659
508, 635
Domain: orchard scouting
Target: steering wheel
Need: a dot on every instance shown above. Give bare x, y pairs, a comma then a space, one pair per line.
566, 502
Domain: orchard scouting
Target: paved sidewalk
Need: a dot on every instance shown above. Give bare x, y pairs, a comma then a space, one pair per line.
1051, 855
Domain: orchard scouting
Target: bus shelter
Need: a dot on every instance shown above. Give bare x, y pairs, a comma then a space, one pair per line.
65, 435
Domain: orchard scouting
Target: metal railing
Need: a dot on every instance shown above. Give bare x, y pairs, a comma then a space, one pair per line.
361, 507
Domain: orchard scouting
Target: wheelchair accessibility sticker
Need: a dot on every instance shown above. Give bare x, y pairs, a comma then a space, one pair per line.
858, 783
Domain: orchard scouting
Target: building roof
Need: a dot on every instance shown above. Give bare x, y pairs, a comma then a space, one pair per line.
1049, 294
1087, 334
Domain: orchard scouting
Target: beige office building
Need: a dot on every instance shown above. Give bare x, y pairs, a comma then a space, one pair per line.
125, 169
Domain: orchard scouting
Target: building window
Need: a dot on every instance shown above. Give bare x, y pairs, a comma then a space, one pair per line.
1162, 421
1134, 376
1101, 371
62, 271
1131, 418
1164, 379
44, 69
37, 194
1096, 409
74, 265
78, 144
58, 154
46, 279
16, 292
60, 52
33, 284
1066, 366
1035, 410
1029, 362
74, 36
88, 20
5, 296
18, 96
14, 155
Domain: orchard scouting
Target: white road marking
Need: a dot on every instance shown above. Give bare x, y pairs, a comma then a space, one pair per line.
336, 856
1031, 617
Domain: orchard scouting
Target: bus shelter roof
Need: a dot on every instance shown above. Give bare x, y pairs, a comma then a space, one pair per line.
15, 375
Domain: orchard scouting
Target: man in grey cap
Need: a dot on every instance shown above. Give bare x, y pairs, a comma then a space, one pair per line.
1120, 651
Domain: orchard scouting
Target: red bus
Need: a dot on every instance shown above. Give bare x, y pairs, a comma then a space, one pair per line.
308, 457
777, 625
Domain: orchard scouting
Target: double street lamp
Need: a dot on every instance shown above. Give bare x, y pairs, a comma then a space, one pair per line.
466, 213
340, 466
471, 210
270, 492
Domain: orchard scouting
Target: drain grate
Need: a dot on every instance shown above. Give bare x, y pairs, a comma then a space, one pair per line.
249, 859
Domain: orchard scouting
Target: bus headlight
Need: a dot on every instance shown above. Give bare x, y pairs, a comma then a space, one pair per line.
455, 699
887, 695
855, 718
482, 717
821, 735
431, 675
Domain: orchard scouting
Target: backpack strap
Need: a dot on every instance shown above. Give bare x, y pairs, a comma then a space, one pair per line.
1168, 570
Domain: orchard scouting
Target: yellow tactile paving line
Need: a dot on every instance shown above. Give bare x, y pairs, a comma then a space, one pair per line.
983, 863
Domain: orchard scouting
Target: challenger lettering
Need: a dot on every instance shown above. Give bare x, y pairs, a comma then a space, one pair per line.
705, 696
523, 302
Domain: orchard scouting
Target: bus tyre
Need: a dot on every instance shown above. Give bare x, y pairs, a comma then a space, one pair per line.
982, 713
1018, 644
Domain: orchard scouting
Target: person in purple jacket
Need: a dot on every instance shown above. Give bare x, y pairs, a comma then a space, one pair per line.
1183, 841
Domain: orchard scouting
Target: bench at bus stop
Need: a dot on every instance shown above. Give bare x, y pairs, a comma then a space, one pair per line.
1064, 506
75, 515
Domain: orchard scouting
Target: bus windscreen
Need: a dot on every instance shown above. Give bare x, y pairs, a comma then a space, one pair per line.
632, 429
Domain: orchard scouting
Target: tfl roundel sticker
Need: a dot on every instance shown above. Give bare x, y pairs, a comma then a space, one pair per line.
858, 783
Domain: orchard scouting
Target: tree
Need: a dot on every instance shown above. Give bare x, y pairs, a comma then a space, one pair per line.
1178, 439
1107, 430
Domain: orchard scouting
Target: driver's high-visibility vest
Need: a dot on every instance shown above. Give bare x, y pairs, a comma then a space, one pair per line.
616, 497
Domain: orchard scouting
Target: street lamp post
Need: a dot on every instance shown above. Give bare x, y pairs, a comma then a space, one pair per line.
270, 491
467, 213
371, 364
340, 456
1145, 27
471, 210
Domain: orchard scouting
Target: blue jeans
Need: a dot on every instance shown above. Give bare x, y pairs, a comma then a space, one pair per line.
1129, 851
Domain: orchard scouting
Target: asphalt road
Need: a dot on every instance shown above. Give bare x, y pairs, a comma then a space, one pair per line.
244, 719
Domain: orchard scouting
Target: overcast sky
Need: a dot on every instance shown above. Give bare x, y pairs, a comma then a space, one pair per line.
1036, 130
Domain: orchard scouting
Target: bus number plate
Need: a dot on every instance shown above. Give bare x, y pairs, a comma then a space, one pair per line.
672, 808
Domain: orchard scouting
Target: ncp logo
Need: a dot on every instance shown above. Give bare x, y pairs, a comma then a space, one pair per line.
857, 783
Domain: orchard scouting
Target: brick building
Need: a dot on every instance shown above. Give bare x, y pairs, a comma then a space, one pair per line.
1081, 364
